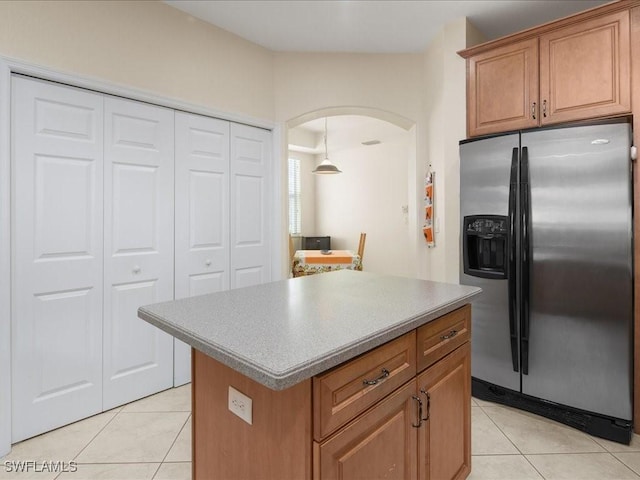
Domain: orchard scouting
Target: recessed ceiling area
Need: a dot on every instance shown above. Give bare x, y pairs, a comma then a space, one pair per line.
370, 26
344, 132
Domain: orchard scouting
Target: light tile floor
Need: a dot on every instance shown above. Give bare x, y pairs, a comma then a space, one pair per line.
151, 439
144, 440
509, 444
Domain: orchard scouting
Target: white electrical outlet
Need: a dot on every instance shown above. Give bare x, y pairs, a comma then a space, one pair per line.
241, 405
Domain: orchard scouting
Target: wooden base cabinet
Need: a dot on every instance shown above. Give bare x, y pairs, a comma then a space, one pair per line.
382, 443
422, 431
400, 412
444, 442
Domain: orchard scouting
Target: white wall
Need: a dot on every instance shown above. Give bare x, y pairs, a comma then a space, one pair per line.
368, 197
143, 44
445, 110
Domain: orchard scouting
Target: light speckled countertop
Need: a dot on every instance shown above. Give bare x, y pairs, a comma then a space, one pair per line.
284, 332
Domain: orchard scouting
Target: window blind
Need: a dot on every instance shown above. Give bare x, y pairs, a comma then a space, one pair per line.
294, 197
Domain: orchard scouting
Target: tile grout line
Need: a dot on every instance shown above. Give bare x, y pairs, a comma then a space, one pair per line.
633, 472
526, 456
637, 474
116, 412
504, 434
502, 431
99, 432
497, 455
94, 436
603, 448
514, 445
172, 444
625, 465
526, 459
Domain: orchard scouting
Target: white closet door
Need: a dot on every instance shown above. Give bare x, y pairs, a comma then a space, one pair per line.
138, 357
56, 316
202, 216
250, 205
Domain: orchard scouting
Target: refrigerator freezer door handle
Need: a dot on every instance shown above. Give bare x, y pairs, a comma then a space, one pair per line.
511, 272
525, 226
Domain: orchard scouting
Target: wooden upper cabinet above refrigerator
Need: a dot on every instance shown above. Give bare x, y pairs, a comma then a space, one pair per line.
585, 70
502, 89
571, 70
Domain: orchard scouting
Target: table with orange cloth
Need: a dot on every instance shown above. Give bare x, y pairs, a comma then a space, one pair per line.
310, 262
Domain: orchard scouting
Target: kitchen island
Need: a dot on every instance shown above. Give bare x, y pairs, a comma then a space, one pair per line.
341, 375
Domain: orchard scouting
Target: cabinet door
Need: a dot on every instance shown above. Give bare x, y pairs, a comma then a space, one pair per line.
250, 205
502, 89
138, 244
444, 442
56, 290
202, 216
585, 70
379, 444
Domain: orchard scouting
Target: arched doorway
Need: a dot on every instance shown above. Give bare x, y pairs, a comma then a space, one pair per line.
375, 194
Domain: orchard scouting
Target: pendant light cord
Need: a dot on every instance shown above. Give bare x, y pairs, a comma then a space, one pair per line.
326, 152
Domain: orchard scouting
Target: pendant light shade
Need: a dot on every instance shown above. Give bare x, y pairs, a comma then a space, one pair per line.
326, 167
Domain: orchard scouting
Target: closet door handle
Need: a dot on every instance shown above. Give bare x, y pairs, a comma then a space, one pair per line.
533, 110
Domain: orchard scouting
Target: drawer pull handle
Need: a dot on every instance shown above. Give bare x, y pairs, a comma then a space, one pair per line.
449, 335
419, 402
383, 375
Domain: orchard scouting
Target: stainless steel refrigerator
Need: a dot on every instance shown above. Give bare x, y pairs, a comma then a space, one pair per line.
547, 234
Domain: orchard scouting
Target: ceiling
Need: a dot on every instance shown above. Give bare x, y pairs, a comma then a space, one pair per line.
366, 26
370, 26
343, 132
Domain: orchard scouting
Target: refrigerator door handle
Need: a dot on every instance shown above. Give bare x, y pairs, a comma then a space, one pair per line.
513, 312
525, 226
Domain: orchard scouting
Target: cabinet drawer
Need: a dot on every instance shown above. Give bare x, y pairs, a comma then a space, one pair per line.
442, 336
345, 391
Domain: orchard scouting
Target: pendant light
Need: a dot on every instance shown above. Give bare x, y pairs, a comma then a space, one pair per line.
326, 167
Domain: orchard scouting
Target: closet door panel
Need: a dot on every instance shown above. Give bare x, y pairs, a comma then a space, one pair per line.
202, 215
56, 216
139, 211
250, 205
